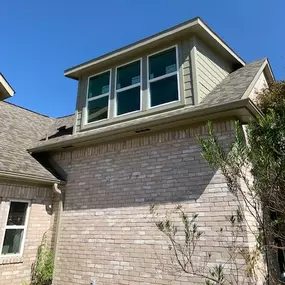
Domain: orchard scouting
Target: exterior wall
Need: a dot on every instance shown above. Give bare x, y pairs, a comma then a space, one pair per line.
211, 69
106, 227
14, 271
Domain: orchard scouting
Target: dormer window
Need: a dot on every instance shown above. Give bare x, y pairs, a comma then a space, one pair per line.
98, 97
163, 77
128, 88
133, 87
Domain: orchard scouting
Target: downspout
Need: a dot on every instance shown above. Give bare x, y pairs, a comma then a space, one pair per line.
58, 192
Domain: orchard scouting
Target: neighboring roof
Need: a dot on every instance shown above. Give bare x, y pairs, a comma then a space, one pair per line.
20, 129
235, 85
6, 89
228, 94
195, 26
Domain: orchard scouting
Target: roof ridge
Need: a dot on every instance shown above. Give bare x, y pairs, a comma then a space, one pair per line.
29, 110
61, 117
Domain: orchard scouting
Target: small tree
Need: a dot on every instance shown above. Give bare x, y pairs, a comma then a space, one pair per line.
254, 168
43, 267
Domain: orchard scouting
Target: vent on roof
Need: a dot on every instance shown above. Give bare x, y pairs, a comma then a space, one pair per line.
142, 131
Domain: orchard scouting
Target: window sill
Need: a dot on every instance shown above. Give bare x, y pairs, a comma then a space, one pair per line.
10, 259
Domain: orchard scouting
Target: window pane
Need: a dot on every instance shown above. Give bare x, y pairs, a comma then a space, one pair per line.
99, 85
164, 91
128, 75
17, 213
98, 109
12, 241
128, 101
162, 63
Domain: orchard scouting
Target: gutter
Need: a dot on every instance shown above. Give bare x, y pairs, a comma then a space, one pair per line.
149, 122
253, 109
27, 177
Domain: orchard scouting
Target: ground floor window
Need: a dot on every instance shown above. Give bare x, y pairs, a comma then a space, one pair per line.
15, 228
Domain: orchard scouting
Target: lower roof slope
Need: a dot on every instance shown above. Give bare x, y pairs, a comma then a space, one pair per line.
20, 129
235, 85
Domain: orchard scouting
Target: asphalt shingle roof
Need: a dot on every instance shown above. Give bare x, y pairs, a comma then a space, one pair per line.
20, 129
234, 85
61, 126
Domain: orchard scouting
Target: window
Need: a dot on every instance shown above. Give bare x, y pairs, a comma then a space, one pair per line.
98, 97
15, 228
135, 86
163, 77
128, 88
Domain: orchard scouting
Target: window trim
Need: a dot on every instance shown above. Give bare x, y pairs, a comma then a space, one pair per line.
127, 88
149, 107
25, 228
87, 100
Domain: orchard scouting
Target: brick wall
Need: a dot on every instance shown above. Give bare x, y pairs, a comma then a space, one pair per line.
106, 229
14, 271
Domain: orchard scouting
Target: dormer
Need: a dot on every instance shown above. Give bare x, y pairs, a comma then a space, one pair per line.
6, 91
169, 70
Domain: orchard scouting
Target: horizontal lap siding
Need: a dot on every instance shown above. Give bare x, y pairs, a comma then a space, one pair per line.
211, 69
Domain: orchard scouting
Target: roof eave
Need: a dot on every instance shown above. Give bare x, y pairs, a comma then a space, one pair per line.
194, 116
27, 178
6, 90
188, 26
254, 110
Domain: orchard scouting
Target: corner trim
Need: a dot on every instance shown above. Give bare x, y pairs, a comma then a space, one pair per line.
194, 72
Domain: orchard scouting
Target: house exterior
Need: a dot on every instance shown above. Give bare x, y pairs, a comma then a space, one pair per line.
87, 180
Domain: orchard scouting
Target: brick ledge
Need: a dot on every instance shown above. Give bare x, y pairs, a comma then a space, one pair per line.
11, 260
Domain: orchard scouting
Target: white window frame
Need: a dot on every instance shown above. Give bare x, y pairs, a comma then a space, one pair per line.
127, 88
163, 77
87, 100
24, 227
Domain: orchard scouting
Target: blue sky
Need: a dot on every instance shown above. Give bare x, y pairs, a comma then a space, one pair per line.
42, 38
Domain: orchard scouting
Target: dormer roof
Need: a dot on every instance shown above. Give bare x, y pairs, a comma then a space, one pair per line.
195, 27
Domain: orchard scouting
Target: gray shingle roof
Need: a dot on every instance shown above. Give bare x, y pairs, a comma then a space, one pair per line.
234, 85
19, 130
61, 126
